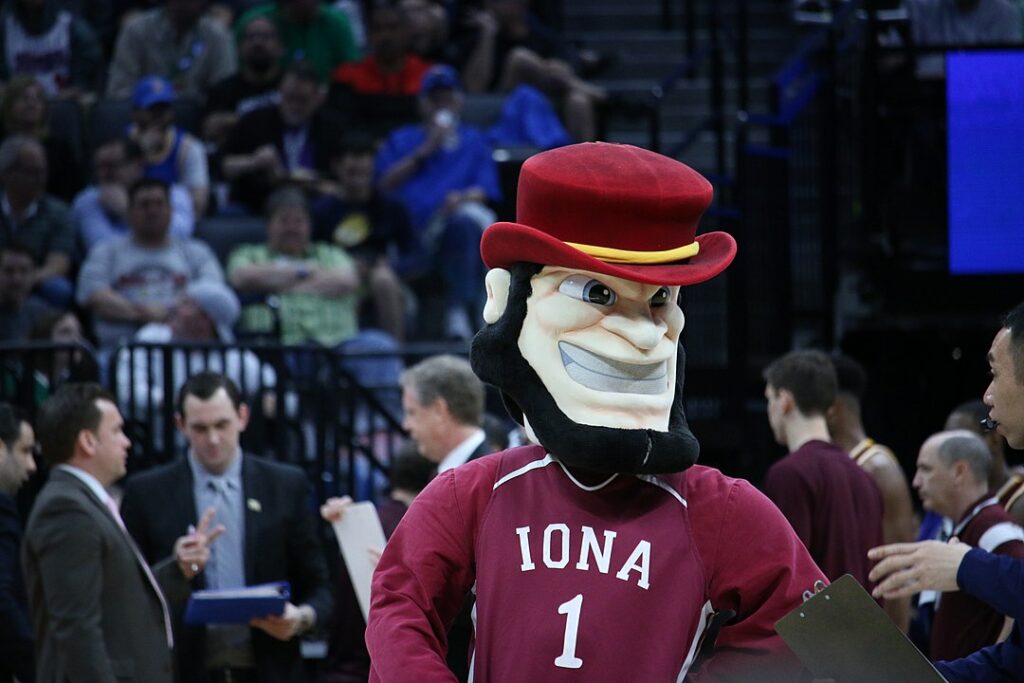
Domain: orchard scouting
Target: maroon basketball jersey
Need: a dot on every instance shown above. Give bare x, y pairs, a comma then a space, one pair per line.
584, 583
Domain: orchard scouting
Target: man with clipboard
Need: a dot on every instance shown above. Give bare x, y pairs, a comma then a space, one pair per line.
907, 568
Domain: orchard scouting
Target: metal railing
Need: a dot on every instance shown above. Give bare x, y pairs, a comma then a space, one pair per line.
337, 415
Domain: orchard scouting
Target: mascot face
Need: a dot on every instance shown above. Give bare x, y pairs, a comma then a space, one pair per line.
604, 347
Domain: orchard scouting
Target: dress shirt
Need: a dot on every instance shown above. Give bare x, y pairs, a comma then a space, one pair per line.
227, 645
461, 453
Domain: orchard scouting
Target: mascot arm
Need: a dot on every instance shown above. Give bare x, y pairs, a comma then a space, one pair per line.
757, 568
424, 576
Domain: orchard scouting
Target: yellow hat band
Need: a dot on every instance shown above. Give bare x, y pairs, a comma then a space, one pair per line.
639, 257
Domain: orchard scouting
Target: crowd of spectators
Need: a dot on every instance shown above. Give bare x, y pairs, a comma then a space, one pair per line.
357, 105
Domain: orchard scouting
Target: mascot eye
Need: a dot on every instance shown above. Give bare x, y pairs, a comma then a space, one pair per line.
590, 291
660, 298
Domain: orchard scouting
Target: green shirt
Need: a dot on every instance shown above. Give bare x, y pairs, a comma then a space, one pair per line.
304, 317
325, 42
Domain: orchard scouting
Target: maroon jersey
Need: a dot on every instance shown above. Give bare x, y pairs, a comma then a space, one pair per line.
835, 507
963, 624
613, 581
578, 575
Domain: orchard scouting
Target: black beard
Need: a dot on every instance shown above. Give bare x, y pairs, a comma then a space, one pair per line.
497, 360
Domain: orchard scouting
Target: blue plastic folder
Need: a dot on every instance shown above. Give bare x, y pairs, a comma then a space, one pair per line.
237, 605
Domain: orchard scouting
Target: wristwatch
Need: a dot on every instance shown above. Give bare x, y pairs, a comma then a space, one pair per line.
302, 272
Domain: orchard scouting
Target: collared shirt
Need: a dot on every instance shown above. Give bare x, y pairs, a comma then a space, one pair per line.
228, 645
30, 211
327, 320
461, 453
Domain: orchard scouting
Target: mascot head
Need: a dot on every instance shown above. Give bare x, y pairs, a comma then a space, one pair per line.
582, 305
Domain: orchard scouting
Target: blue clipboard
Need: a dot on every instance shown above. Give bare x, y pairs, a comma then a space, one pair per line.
237, 605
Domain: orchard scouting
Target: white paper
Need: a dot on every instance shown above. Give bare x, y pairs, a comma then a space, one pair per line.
358, 531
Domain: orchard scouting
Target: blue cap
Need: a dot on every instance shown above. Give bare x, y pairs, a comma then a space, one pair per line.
440, 76
152, 90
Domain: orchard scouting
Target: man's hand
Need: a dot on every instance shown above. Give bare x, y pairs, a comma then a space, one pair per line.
192, 551
266, 159
114, 199
908, 568
151, 313
334, 509
294, 621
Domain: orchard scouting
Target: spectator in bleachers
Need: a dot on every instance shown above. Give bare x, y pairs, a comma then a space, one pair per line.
311, 32
37, 220
205, 312
39, 38
60, 327
428, 28
375, 230
18, 308
378, 93
444, 172
101, 210
134, 279
172, 155
292, 141
317, 283
389, 68
176, 42
510, 47
952, 480
25, 111
254, 85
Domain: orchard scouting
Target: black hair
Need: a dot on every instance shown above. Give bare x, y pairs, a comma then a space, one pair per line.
410, 471
63, 416
851, 377
1014, 321
203, 385
11, 419
146, 183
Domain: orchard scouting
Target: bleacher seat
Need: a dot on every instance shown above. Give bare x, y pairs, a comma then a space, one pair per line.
224, 233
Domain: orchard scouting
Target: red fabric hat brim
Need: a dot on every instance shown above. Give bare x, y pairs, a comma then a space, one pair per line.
504, 244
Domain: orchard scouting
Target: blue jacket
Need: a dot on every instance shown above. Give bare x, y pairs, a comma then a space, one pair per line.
999, 581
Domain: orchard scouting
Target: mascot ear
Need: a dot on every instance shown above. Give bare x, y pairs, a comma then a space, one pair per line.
498, 281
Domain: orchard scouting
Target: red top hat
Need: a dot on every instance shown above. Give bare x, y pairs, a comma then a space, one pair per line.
613, 209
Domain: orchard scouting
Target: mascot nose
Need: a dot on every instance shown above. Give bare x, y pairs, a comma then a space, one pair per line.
638, 330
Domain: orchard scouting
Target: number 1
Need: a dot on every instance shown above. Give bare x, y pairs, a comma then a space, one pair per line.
568, 658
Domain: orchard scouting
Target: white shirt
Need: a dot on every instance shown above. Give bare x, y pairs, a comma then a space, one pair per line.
461, 453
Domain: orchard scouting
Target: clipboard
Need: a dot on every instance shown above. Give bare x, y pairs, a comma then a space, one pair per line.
358, 530
236, 605
841, 633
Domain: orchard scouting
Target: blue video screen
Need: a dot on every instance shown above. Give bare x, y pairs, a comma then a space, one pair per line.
985, 116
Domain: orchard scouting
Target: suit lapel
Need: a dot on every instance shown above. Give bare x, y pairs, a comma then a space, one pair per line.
252, 499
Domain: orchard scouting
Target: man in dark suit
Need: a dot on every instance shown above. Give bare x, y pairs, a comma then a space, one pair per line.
98, 612
17, 463
443, 403
269, 535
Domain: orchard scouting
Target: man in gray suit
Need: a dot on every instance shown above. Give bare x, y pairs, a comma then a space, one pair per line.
98, 612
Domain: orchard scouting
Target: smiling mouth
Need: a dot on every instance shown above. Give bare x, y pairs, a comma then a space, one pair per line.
603, 374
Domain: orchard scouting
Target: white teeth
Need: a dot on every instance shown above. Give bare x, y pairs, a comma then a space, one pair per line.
603, 374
